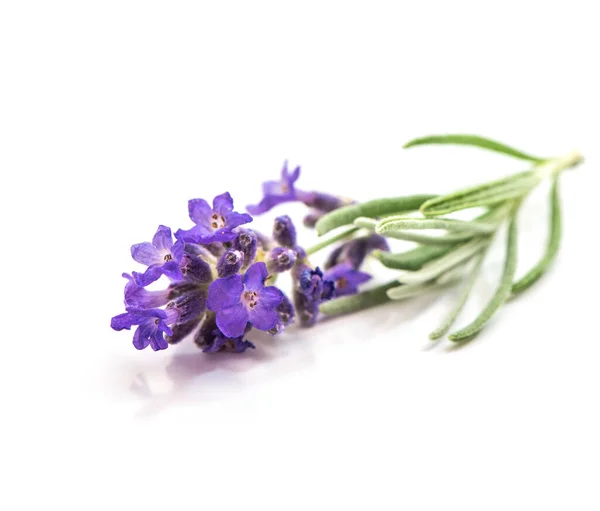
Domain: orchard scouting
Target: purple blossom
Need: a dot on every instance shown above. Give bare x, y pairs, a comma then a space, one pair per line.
280, 259
213, 224
230, 263
278, 192
161, 256
346, 278
313, 284
152, 325
355, 251
247, 243
310, 289
238, 300
286, 315
139, 297
284, 231
211, 339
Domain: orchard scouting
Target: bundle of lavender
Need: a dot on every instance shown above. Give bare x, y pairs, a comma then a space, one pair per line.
222, 273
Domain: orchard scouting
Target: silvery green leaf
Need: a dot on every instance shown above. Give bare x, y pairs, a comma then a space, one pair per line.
476, 141
412, 259
532, 276
371, 209
396, 223
452, 259
365, 223
487, 194
411, 290
503, 290
460, 302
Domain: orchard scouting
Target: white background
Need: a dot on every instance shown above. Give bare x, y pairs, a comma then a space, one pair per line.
113, 114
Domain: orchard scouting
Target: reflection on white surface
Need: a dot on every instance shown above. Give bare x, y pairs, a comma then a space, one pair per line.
189, 377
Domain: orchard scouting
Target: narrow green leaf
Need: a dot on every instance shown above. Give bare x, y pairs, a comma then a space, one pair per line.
426, 239
487, 194
365, 223
342, 234
452, 259
370, 209
503, 289
363, 300
412, 259
532, 276
473, 140
460, 302
410, 290
396, 223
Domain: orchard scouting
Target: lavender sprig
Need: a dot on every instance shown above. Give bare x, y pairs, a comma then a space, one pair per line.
221, 272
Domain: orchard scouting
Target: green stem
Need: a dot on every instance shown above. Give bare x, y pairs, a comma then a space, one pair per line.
343, 234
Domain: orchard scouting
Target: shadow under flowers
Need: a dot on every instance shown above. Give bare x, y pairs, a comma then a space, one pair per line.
191, 376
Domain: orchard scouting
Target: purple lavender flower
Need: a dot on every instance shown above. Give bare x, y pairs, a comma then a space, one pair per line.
139, 297
313, 284
162, 257
213, 224
230, 263
211, 339
355, 251
284, 231
280, 259
286, 315
247, 243
152, 325
238, 300
278, 192
346, 278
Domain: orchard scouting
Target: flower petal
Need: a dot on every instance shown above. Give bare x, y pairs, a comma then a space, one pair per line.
200, 211
158, 342
177, 250
152, 274
140, 342
162, 240
224, 293
232, 321
255, 276
234, 219
270, 297
124, 321
263, 318
223, 204
145, 253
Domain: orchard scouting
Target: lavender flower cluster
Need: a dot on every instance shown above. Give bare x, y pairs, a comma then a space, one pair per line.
221, 273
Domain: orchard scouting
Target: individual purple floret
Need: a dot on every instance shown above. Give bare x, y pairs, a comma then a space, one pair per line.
213, 224
194, 268
280, 259
211, 339
138, 296
247, 243
325, 202
286, 315
284, 232
162, 257
313, 284
152, 325
346, 278
238, 300
310, 289
284, 190
230, 263
355, 251
278, 192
